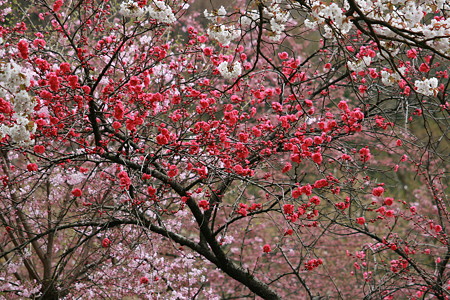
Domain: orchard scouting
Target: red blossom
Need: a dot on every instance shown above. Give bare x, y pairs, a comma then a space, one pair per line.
173, 171
162, 139
23, 49
207, 51
106, 243
144, 280
288, 232
40, 149
378, 191
424, 68
287, 167
77, 192
288, 209
57, 5
73, 81
39, 43
389, 213
204, 204
32, 167
151, 191
365, 154
5, 107
125, 181
283, 55
321, 183
412, 53
317, 158
388, 201
361, 220
313, 263
315, 200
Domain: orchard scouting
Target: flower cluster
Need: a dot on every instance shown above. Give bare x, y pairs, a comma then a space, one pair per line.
389, 77
14, 82
409, 15
213, 16
223, 34
159, 11
131, 9
324, 13
249, 17
426, 87
228, 71
278, 19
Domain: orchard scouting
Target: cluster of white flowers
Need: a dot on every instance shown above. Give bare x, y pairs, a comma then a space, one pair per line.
13, 84
332, 12
223, 34
438, 34
388, 78
159, 11
310, 24
20, 131
410, 15
249, 17
213, 15
359, 65
131, 9
12, 78
229, 72
427, 87
407, 16
278, 19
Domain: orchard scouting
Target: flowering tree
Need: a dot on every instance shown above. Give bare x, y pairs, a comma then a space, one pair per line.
275, 148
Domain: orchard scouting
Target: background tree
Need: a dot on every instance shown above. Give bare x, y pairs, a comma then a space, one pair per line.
150, 149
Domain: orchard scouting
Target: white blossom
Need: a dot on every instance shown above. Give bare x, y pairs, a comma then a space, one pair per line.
332, 12
388, 78
249, 17
221, 12
131, 9
161, 12
230, 72
427, 87
23, 103
213, 15
223, 34
14, 81
359, 65
278, 19
310, 24
20, 131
